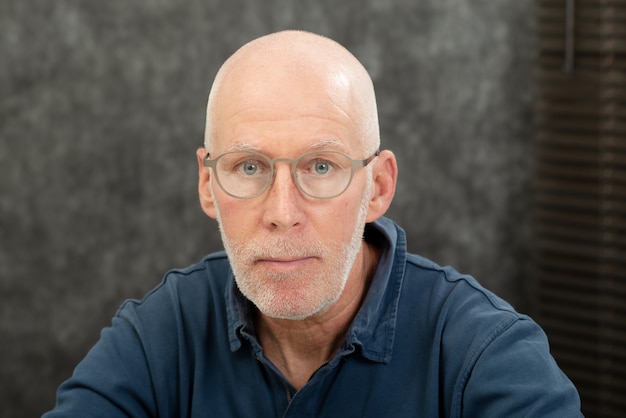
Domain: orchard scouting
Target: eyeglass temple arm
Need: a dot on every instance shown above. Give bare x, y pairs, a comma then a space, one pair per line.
207, 161
368, 160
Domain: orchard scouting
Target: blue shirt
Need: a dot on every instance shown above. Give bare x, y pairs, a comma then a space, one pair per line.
427, 342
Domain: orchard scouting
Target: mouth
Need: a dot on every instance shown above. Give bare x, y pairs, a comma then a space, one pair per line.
285, 263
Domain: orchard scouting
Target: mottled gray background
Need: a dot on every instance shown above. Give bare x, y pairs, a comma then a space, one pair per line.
102, 108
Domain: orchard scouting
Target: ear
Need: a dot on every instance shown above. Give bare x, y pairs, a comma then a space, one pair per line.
385, 178
204, 186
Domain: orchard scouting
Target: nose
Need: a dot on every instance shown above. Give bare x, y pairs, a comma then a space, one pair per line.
283, 208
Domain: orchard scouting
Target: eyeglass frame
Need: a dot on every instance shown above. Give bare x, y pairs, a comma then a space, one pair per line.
354, 164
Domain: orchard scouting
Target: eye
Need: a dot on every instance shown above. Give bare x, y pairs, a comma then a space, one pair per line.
321, 167
249, 168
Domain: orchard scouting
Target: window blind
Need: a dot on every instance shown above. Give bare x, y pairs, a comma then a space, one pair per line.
579, 202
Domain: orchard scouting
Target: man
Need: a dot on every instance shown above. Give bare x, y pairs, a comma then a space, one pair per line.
315, 309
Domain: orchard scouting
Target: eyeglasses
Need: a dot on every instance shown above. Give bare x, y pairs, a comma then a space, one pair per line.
321, 175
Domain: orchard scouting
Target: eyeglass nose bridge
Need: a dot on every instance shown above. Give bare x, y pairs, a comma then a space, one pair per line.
294, 172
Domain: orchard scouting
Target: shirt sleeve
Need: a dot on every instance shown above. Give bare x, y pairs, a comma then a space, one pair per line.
514, 375
113, 380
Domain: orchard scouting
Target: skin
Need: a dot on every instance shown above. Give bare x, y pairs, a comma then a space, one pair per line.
283, 95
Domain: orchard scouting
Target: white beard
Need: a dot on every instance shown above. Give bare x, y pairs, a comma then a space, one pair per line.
301, 294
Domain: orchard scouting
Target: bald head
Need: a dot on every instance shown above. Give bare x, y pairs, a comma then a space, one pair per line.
292, 74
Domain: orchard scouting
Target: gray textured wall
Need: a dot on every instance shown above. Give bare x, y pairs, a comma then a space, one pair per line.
102, 107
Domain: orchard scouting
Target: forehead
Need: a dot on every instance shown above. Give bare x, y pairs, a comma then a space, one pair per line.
328, 144
282, 111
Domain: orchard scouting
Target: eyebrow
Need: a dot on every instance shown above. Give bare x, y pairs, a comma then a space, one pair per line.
317, 146
326, 143
242, 146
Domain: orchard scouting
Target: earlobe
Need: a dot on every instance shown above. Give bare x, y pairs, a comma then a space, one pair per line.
204, 186
385, 179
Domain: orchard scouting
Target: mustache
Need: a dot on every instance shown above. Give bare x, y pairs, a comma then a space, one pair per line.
277, 248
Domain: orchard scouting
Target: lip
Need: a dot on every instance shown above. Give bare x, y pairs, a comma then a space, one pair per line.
285, 264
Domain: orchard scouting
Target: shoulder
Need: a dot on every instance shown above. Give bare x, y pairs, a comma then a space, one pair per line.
461, 316
184, 312
198, 286
451, 291
487, 349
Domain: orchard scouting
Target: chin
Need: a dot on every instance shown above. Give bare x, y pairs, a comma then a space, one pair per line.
293, 304
294, 314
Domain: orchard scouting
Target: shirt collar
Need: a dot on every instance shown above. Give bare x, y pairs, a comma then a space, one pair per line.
373, 328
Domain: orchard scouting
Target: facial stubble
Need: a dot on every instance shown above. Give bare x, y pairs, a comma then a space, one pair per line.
298, 294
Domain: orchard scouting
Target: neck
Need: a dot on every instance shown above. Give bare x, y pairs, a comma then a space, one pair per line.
299, 348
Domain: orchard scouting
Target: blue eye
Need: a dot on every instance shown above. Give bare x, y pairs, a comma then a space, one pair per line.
322, 167
249, 169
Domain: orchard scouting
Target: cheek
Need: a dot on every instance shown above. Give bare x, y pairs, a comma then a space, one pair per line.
233, 217
337, 222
